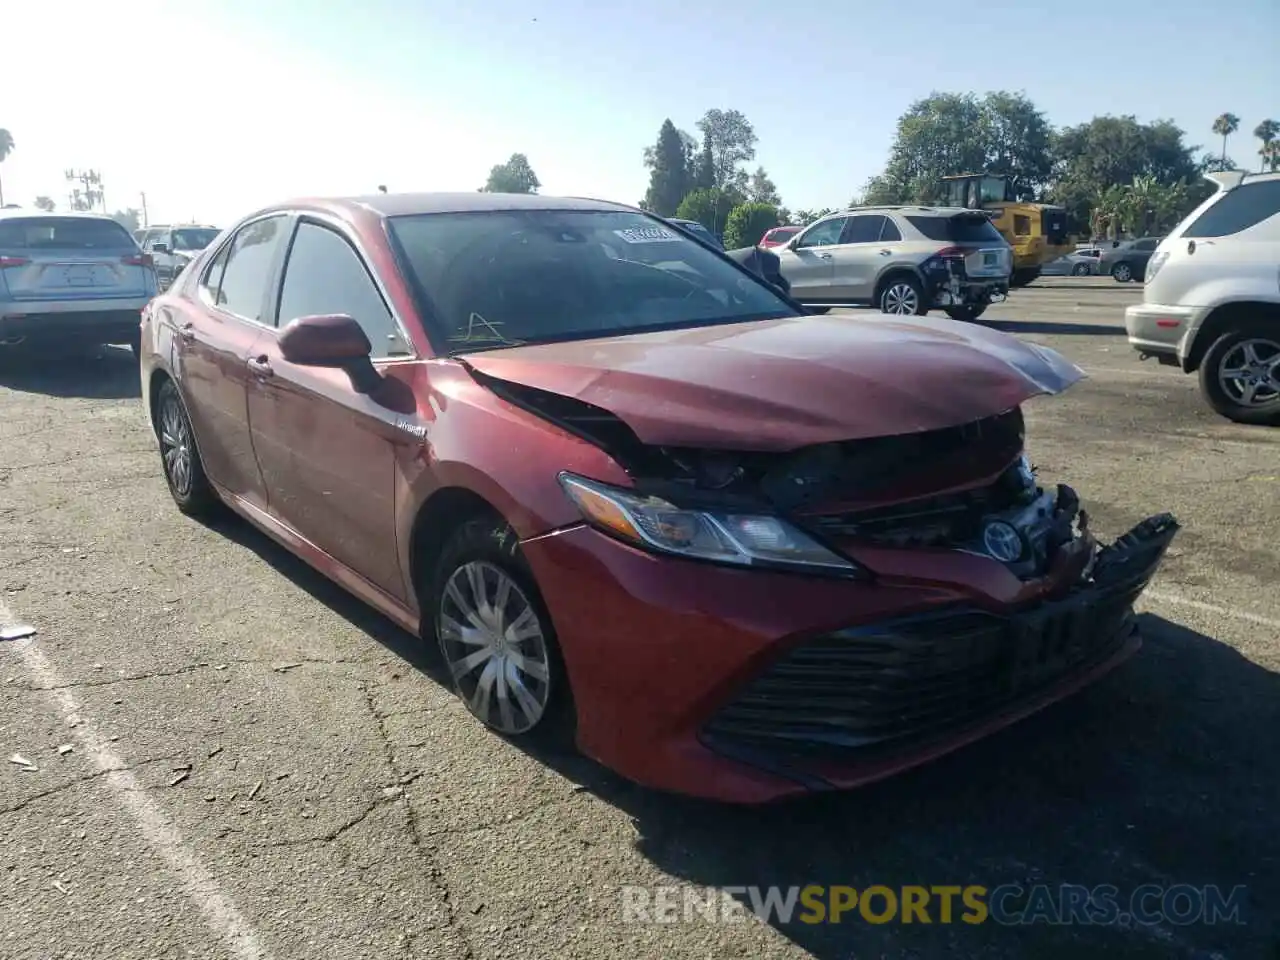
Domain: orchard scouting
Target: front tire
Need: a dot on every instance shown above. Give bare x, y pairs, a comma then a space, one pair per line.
1240, 376
1080, 270
1122, 273
902, 297
496, 637
183, 468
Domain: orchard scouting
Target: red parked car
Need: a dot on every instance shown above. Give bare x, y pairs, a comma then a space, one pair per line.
637, 497
778, 236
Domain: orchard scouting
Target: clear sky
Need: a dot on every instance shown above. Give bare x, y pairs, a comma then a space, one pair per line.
215, 107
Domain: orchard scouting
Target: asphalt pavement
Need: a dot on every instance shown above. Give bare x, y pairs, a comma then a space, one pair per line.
228, 757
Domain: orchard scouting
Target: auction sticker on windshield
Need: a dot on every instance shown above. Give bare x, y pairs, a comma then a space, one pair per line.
646, 235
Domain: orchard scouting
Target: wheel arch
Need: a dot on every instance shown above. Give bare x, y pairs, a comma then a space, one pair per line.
1222, 319
895, 272
437, 518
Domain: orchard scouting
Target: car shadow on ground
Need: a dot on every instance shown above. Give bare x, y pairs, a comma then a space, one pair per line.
94, 373
1166, 772
1060, 328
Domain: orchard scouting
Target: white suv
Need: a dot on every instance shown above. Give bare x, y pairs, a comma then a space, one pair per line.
1212, 298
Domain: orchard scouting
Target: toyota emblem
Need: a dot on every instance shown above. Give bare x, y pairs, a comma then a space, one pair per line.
1002, 541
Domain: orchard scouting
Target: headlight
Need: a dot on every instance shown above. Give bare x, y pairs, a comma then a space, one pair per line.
1156, 262
745, 540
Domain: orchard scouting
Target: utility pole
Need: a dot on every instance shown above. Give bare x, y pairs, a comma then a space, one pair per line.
145, 221
92, 195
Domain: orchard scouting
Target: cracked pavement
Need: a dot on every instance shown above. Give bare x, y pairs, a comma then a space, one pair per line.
304, 751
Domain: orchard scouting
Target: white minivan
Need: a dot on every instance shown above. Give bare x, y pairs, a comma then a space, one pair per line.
1211, 303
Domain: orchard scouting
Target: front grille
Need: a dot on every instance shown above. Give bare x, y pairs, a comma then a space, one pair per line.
909, 680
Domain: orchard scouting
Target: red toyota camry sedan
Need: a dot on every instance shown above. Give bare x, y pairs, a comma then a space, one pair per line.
637, 497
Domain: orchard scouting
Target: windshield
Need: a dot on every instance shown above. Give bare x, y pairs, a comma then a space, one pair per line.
64, 233
505, 278
193, 238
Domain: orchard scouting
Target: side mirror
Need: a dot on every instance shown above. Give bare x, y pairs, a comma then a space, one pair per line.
331, 341
159, 248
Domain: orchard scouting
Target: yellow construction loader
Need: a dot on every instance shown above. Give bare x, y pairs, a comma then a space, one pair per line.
1036, 231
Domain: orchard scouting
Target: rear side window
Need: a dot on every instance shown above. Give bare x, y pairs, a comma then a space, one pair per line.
325, 276
247, 273
1244, 207
863, 229
64, 233
957, 229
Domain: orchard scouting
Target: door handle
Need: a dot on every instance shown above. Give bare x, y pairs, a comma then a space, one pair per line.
187, 332
261, 366
886, 253
824, 256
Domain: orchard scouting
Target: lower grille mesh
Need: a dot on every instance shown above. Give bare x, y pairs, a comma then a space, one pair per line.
913, 678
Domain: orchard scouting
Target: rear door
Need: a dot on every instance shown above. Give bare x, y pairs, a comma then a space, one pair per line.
809, 264
216, 337
52, 258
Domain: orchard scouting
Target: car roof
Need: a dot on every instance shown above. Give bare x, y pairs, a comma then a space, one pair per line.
8, 214
407, 204
178, 226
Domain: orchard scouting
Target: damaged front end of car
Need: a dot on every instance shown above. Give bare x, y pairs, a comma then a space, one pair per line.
887, 509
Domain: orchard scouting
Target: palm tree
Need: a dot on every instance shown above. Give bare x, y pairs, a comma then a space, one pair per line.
1268, 131
6, 148
1225, 126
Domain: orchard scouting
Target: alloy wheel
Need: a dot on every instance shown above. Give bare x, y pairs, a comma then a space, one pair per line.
175, 444
900, 299
1250, 372
493, 642
1122, 273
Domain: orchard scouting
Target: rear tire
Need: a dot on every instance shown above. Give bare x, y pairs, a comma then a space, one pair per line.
1024, 277
179, 456
492, 627
968, 313
1080, 270
902, 296
1122, 273
1232, 351
817, 311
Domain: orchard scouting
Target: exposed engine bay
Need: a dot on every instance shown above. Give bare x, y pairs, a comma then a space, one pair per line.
968, 488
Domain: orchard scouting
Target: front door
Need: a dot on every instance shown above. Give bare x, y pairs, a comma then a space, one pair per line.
328, 453
213, 344
808, 264
859, 256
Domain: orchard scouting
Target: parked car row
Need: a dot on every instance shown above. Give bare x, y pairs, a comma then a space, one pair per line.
570, 445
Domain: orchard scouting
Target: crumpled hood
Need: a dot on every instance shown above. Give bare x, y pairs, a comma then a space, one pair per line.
776, 385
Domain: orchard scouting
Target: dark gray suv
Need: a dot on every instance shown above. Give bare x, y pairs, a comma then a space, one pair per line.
1128, 261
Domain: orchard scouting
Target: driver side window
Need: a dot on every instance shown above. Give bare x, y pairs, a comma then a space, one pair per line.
824, 234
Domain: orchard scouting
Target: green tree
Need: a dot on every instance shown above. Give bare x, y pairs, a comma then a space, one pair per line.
669, 175
514, 176
704, 166
760, 189
1271, 156
1109, 151
130, 219
45, 203
1224, 126
953, 133
747, 223
6, 147
802, 218
731, 140
709, 207
1268, 131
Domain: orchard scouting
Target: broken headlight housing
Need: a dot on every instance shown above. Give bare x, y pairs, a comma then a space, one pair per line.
720, 536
